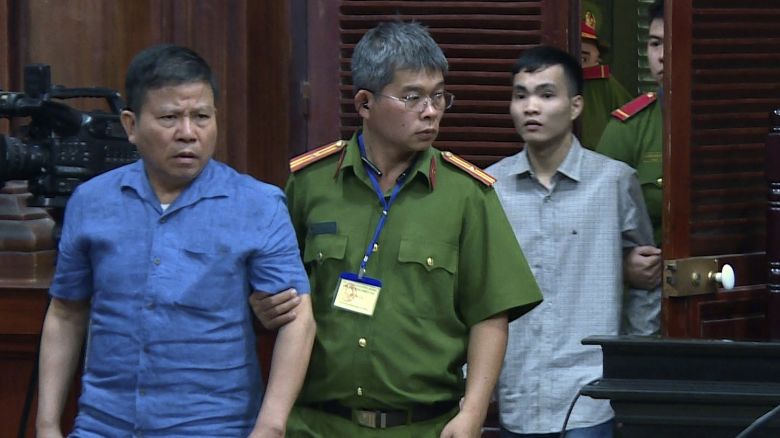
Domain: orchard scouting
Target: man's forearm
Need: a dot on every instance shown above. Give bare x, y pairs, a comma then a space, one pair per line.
487, 345
61, 340
288, 366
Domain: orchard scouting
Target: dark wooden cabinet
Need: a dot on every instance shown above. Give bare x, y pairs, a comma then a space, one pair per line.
685, 388
22, 306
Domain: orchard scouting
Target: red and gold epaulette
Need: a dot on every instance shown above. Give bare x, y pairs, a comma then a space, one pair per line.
469, 168
596, 72
631, 108
315, 155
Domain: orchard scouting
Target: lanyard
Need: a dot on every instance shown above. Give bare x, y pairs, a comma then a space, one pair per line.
386, 203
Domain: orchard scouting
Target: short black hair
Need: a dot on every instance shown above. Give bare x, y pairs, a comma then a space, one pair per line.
542, 57
656, 10
163, 65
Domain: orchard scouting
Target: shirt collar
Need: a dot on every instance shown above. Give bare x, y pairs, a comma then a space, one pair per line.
571, 166
420, 169
203, 186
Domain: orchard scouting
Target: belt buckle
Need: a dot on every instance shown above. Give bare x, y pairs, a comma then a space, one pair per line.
370, 419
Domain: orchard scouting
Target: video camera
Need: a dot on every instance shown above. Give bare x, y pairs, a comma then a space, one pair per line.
61, 147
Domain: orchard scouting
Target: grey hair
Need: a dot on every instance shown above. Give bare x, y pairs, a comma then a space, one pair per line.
391, 46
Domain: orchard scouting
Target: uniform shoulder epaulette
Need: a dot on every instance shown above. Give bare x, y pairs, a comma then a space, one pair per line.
596, 72
469, 168
314, 155
635, 106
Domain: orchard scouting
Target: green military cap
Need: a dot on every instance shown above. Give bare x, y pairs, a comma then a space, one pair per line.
593, 18
592, 15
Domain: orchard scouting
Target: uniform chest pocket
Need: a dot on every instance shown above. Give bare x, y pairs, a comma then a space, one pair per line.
324, 258
426, 280
323, 247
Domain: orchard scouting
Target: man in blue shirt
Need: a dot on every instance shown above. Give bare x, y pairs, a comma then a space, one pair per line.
156, 262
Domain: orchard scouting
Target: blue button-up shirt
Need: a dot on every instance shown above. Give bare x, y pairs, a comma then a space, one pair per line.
171, 349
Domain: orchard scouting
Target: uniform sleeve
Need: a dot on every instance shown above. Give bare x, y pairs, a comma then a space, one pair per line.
494, 274
641, 308
616, 142
73, 275
277, 265
294, 208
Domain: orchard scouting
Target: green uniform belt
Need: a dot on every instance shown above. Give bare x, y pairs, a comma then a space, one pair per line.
377, 419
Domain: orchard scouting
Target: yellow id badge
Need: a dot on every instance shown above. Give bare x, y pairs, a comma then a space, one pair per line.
357, 295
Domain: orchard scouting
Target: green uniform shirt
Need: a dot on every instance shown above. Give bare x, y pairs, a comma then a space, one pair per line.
601, 96
447, 259
638, 142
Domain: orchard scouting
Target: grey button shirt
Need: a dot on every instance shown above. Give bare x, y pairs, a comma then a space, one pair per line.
574, 236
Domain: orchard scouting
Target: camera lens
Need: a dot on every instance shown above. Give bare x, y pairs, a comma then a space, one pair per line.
18, 160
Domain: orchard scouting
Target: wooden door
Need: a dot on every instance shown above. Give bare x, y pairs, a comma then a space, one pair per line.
722, 62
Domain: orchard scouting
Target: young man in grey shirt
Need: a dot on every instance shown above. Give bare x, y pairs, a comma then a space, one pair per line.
576, 215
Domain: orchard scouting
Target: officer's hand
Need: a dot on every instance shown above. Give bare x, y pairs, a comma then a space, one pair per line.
464, 425
276, 310
642, 267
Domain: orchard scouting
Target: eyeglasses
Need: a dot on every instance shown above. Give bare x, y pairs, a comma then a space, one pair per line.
414, 102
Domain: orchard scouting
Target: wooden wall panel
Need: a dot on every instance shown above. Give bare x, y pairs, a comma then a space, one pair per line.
246, 43
5, 44
85, 41
323, 70
269, 89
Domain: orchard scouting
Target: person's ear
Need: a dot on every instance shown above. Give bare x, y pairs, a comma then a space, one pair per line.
363, 100
128, 120
577, 103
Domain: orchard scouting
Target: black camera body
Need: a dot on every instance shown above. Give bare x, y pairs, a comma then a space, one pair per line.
61, 147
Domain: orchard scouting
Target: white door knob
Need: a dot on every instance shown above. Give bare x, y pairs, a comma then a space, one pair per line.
726, 277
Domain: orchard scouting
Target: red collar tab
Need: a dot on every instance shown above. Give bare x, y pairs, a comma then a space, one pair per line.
628, 110
596, 72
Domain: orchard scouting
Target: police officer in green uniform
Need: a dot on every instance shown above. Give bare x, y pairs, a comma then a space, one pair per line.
602, 92
635, 136
414, 267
